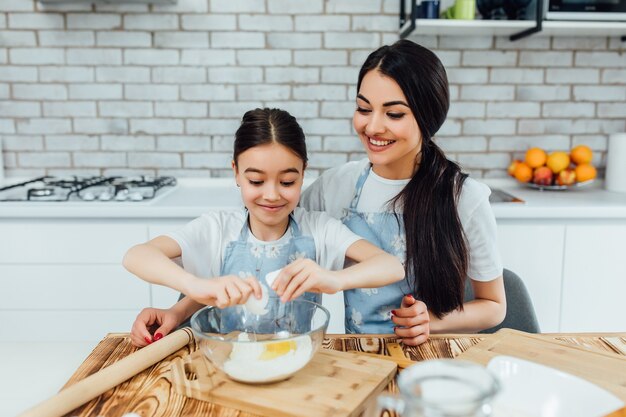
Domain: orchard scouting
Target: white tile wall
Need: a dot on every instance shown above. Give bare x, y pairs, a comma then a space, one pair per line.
161, 89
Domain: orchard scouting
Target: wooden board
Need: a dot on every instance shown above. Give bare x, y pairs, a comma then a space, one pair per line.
150, 394
332, 384
605, 369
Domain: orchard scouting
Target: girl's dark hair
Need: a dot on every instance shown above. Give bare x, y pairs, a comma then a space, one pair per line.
263, 126
436, 250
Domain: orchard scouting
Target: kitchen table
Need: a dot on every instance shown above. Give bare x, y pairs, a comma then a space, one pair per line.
147, 396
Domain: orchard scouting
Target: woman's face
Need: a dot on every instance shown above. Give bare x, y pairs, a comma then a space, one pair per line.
270, 177
386, 126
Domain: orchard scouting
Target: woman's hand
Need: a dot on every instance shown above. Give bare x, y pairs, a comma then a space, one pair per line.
223, 292
161, 322
412, 321
304, 275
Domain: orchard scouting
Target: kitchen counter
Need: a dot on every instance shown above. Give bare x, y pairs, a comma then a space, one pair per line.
194, 196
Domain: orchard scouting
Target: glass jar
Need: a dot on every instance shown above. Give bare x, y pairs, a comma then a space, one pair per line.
443, 388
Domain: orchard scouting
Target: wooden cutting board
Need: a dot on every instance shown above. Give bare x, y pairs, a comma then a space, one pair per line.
332, 384
604, 369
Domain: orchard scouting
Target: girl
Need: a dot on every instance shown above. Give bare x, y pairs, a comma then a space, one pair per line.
409, 200
239, 248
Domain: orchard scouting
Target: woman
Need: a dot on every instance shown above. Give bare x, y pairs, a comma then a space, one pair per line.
408, 199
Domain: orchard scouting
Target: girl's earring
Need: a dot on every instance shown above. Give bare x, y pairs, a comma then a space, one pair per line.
238, 185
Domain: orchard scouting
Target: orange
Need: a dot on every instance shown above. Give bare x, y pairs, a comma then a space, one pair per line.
585, 172
558, 161
522, 172
581, 154
535, 157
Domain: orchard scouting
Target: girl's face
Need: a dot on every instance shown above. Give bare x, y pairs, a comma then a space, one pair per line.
270, 177
386, 126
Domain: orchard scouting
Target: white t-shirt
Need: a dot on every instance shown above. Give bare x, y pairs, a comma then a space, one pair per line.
204, 240
334, 190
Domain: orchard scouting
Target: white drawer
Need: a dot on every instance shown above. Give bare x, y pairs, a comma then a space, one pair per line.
71, 287
68, 242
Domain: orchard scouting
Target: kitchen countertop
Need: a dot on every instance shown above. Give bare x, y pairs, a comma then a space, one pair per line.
194, 196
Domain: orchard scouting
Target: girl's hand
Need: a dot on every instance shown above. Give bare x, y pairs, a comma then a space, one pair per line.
304, 275
223, 292
161, 322
412, 321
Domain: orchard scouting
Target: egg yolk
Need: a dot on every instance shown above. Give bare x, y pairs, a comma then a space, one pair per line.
276, 349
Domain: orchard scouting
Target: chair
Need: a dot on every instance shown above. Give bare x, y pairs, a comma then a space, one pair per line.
520, 313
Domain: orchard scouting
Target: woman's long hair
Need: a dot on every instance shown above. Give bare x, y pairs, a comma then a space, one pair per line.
263, 126
436, 250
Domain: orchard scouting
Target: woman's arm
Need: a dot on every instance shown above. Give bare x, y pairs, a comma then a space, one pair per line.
485, 311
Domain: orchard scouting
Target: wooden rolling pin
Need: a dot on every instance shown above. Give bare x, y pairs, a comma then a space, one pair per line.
96, 384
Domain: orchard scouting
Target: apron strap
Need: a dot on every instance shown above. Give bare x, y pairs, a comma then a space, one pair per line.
359, 186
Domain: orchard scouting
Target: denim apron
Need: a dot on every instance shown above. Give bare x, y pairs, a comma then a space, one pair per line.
243, 258
368, 310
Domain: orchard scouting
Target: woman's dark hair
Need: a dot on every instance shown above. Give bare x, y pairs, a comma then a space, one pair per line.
263, 126
436, 250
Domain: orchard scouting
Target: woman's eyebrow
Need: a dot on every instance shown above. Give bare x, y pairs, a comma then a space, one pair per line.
387, 104
393, 103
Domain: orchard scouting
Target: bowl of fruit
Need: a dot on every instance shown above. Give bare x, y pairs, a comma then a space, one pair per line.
558, 170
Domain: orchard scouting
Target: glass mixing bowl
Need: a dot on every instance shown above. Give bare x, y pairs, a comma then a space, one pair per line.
264, 348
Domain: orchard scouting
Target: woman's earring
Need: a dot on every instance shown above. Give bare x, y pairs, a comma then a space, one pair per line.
237, 184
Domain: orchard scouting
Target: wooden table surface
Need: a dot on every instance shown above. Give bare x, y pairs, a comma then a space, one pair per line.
149, 394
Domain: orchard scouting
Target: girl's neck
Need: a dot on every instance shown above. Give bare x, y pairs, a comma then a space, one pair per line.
266, 232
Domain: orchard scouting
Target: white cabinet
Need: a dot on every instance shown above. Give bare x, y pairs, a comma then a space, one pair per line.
594, 282
535, 253
63, 280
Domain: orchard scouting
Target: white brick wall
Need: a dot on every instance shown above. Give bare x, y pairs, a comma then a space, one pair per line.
161, 89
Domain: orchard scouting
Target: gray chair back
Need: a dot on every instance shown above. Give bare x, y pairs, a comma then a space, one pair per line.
520, 313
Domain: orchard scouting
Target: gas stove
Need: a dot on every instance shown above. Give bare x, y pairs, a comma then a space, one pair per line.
87, 189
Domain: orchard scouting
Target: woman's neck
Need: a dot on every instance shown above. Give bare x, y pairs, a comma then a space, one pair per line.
266, 232
400, 169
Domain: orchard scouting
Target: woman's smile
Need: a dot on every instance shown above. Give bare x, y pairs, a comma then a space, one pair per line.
377, 144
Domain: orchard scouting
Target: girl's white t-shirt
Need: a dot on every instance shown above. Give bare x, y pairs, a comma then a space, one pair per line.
204, 239
333, 191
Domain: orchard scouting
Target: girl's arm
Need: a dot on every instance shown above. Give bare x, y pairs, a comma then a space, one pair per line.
152, 262
375, 268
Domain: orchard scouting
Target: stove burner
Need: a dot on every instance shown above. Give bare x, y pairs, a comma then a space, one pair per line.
96, 188
40, 192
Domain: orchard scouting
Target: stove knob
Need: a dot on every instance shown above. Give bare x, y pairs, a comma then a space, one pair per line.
88, 196
136, 196
105, 196
121, 195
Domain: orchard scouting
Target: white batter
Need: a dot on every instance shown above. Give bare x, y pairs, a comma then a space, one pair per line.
267, 361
